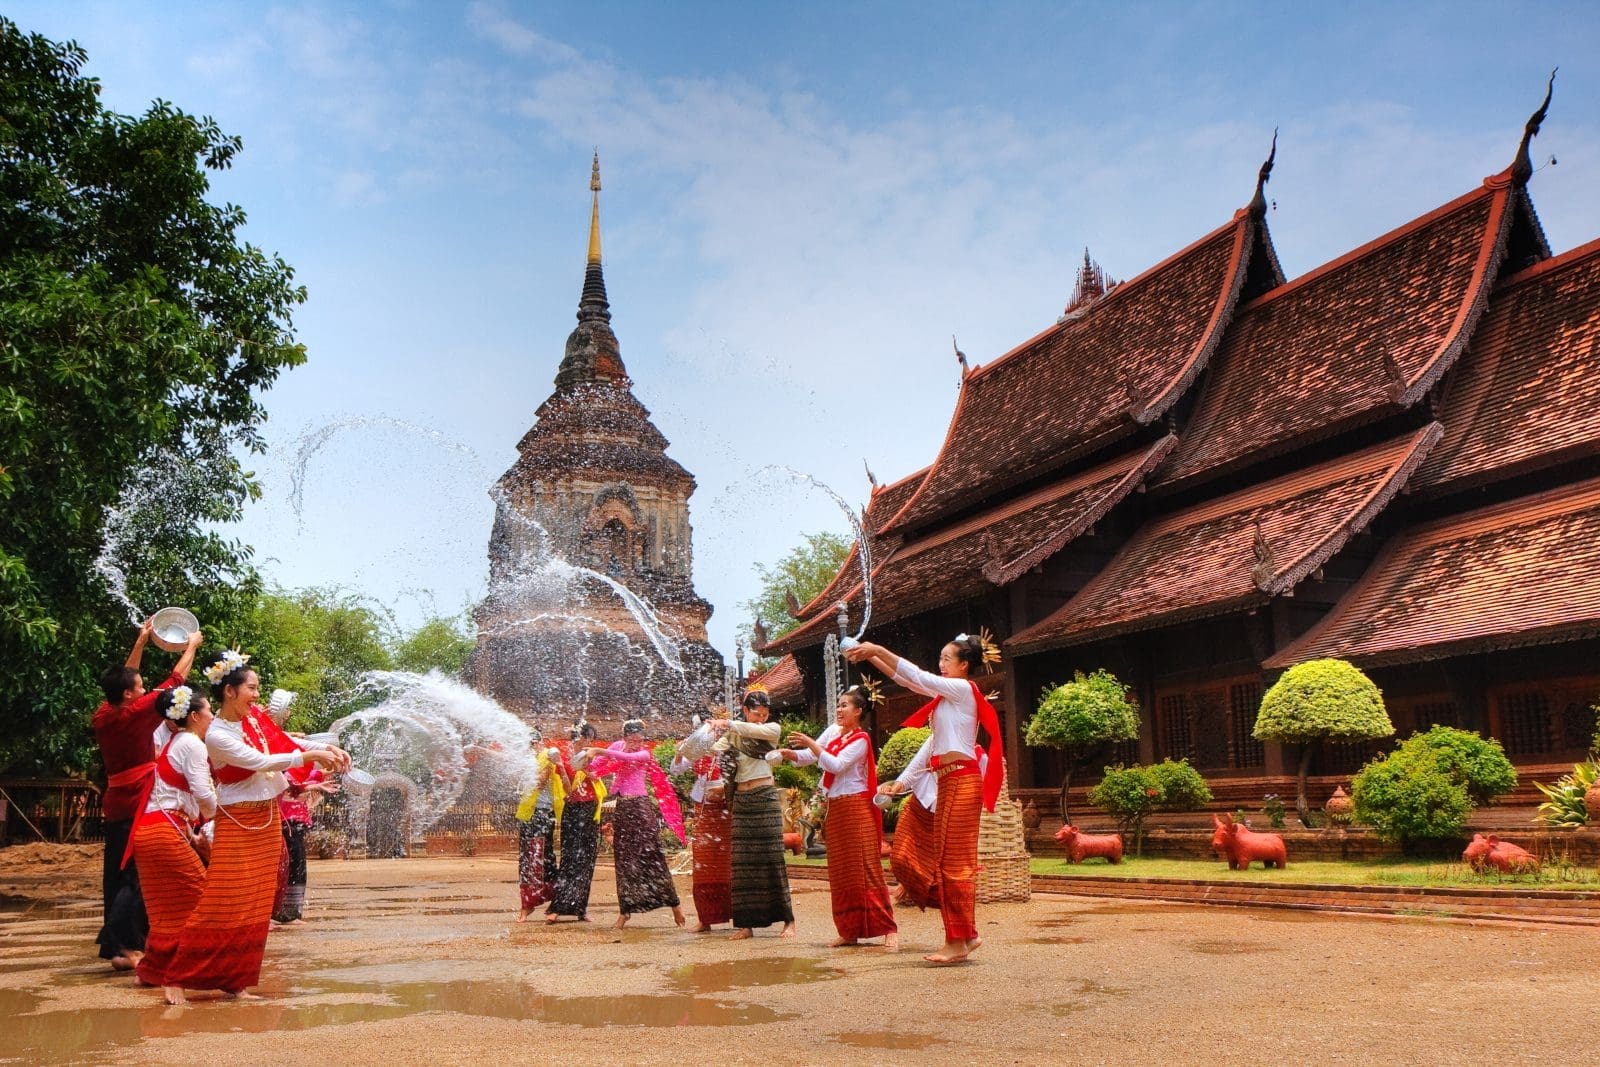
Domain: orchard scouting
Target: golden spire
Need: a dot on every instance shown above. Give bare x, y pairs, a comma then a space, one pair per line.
594, 217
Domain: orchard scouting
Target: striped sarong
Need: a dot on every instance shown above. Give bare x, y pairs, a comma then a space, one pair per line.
643, 881
290, 901
759, 879
580, 844
956, 847
712, 844
912, 856
173, 878
861, 905
536, 858
222, 943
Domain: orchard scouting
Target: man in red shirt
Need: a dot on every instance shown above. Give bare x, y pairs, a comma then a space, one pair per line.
124, 727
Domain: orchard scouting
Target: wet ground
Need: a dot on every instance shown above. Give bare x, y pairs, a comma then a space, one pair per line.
419, 961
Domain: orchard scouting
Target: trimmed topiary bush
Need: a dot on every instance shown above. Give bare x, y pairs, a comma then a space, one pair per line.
1081, 718
898, 750
1409, 796
1477, 764
1320, 700
1128, 794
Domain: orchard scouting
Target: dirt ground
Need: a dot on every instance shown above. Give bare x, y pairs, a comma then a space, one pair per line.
420, 961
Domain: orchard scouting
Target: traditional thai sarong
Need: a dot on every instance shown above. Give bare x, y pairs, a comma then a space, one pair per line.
173, 880
713, 852
290, 900
536, 858
580, 844
220, 946
861, 906
955, 854
643, 881
760, 880
912, 854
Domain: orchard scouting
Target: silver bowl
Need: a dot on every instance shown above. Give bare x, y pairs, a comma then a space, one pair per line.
172, 627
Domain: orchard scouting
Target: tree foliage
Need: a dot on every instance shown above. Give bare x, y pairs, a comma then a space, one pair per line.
1322, 700
1409, 796
1081, 717
1129, 794
135, 325
804, 572
1478, 764
898, 750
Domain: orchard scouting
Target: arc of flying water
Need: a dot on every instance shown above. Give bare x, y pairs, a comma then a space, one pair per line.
863, 546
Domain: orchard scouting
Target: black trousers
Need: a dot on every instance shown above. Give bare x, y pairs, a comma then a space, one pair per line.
125, 922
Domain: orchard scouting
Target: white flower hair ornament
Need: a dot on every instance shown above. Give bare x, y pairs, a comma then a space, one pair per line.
179, 708
232, 659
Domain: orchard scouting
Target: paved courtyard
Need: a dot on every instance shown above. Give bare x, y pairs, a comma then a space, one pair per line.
419, 961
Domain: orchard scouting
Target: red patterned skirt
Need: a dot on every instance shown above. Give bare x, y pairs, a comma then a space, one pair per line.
222, 943
713, 859
861, 906
912, 857
173, 877
956, 841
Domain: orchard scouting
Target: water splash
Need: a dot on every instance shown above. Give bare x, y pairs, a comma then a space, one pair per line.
863, 543
308, 444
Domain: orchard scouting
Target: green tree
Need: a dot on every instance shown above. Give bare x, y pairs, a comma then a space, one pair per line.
318, 643
1316, 701
441, 643
803, 573
898, 750
1129, 794
1409, 796
1083, 717
135, 324
1479, 765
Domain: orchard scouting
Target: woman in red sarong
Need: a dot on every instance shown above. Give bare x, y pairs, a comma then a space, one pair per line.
712, 840
221, 944
178, 797
954, 714
854, 825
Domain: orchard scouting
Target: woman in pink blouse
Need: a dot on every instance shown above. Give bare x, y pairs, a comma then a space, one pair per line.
643, 881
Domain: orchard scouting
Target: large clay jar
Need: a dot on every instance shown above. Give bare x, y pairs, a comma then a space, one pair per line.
1591, 801
1340, 808
1030, 816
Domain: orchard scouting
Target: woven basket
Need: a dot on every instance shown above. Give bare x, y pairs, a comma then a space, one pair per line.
1004, 874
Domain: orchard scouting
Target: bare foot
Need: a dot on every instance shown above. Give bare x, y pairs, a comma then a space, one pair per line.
975, 944
584, 918
122, 963
622, 920
550, 918
678, 917
892, 942
788, 929
295, 922
522, 916
841, 942
241, 994
953, 952
703, 928
173, 994
741, 935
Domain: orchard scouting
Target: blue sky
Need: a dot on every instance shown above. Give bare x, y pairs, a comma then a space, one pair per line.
802, 204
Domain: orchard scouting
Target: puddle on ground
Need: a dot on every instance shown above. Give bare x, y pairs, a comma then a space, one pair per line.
889, 1040
726, 975
1229, 948
1057, 940
58, 1035
1088, 985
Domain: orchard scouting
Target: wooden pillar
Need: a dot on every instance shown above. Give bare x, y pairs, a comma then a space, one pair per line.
1020, 775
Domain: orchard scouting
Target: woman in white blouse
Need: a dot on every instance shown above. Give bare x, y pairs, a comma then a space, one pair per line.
854, 825
179, 798
222, 943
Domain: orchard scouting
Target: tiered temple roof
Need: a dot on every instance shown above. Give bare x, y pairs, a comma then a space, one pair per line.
1091, 380
1353, 341
1520, 573
1235, 552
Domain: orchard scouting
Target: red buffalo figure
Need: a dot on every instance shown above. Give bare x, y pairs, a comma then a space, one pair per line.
1503, 856
1240, 845
794, 843
1081, 846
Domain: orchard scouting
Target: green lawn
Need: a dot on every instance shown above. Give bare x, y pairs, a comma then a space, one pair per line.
1337, 872
1397, 872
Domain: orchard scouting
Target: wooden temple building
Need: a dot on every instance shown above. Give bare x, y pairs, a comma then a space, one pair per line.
1208, 473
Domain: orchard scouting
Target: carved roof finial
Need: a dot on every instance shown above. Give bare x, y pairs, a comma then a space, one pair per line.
1258, 203
961, 357
1522, 166
1262, 570
873, 478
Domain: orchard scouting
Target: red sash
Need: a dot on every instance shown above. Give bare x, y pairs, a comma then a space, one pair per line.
130, 775
838, 745
171, 776
265, 736
995, 776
